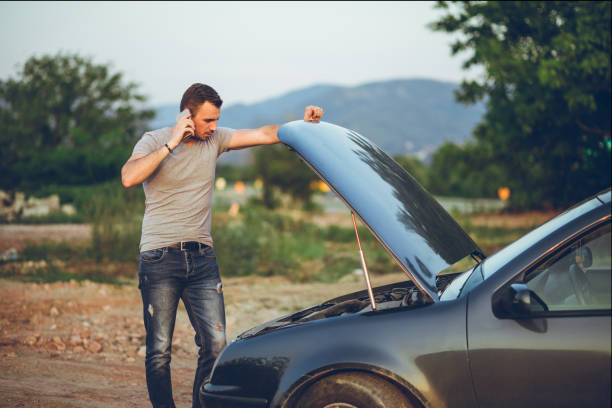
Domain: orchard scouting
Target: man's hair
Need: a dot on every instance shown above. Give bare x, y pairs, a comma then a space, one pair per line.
197, 94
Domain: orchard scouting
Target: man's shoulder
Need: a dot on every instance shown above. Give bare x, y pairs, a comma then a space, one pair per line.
159, 133
152, 140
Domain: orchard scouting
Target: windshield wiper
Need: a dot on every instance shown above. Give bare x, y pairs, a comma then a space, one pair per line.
478, 257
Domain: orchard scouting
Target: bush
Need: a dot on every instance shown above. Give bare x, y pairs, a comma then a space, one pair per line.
263, 243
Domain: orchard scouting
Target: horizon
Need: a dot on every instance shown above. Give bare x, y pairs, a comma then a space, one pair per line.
290, 91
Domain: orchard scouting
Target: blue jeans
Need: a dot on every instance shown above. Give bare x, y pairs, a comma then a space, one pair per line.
166, 275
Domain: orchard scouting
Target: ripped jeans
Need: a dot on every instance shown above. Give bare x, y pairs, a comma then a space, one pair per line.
166, 275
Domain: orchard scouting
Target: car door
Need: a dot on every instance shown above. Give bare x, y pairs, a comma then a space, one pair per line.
557, 352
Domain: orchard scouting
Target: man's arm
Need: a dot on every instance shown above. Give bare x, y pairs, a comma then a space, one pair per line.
140, 166
268, 134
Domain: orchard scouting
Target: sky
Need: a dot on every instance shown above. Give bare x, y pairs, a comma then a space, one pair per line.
247, 51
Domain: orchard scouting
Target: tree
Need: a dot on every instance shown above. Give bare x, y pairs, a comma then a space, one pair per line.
547, 86
464, 171
281, 169
66, 120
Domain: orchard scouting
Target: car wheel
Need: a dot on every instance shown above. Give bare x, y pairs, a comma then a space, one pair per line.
352, 390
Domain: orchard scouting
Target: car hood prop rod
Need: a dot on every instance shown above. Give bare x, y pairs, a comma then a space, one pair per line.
363, 265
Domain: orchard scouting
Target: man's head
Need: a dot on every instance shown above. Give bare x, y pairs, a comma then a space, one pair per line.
204, 104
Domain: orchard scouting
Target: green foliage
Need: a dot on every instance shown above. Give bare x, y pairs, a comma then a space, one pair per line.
264, 243
281, 169
66, 120
547, 87
43, 272
464, 171
232, 173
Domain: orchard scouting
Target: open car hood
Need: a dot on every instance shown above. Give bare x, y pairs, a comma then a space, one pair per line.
405, 218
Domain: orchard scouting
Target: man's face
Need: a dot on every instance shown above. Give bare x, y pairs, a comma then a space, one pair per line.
205, 119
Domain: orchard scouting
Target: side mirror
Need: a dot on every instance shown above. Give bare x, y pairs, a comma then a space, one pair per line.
513, 301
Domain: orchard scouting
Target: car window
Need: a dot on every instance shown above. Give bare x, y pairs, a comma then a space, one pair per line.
577, 277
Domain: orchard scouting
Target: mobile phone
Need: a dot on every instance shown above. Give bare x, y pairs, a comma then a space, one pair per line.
181, 115
184, 113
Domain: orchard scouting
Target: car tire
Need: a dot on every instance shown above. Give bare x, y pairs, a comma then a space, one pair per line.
352, 390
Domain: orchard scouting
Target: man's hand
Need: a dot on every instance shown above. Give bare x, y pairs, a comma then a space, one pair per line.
183, 129
313, 114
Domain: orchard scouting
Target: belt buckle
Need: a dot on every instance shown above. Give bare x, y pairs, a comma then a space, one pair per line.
188, 245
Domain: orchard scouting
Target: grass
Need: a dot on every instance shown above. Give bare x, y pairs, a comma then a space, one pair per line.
54, 271
255, 242
492, 239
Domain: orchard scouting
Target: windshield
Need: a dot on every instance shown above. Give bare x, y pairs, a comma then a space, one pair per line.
501, 257
466, 282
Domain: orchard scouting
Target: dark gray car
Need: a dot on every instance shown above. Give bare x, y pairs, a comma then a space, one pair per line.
527, 326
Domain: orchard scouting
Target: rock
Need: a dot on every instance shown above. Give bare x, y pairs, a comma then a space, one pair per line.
30, 341
130, 359
121, 339
5, 199
68, 209
75, 340
142, 351
94, 347
78, 350
54, 311
9, 255
84, 334
18, 203
51, 347
11, 354
36, 207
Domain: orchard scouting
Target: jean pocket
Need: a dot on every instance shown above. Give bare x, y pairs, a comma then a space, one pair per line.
153, 255
207, 252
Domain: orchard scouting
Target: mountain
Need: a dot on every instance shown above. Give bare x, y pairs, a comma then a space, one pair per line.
402, 116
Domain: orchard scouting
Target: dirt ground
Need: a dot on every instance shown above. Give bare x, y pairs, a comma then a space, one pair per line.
82, 344
71, 344
15, 235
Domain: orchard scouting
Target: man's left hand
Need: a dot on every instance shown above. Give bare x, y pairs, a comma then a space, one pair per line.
313, 114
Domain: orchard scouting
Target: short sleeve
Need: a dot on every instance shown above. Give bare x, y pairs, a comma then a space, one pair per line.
224, 137
147, 144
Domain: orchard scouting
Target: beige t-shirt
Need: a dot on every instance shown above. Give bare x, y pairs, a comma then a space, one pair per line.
178, 195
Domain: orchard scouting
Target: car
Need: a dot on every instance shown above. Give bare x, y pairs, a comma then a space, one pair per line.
526, 326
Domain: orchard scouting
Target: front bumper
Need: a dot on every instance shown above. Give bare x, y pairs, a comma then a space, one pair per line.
216, 396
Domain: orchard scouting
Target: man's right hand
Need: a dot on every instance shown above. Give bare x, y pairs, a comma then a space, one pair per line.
183, 128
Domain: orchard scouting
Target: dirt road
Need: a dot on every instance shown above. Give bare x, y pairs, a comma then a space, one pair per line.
82, 344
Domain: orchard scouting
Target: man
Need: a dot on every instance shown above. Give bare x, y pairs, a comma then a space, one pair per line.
177, 168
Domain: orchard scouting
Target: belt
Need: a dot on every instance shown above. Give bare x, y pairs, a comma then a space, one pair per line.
187, 245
